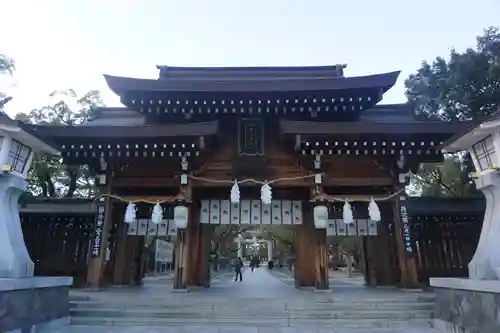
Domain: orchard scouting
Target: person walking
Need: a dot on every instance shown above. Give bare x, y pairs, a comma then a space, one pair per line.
253, 263
238, 268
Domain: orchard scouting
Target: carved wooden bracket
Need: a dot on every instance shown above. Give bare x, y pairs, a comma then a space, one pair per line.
184, 195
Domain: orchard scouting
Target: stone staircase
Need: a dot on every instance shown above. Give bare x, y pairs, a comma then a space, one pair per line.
406, 311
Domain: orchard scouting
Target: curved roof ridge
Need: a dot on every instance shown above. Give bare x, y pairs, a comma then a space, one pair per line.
122, 84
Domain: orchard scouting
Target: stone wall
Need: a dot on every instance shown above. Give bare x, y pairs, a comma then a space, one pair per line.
467, 311
33, 310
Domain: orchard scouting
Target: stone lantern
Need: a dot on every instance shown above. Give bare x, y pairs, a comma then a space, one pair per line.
18, 287
483, 144
18, 144
463, 304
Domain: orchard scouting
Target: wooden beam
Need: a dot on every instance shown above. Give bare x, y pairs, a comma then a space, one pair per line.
152, 198
146, 182
359, 197
357, 181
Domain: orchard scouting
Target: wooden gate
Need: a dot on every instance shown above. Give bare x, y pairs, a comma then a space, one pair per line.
58, 237
445, 233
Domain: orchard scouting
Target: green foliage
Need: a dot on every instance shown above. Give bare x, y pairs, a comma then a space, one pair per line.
223, 244
281, 234
66, 108
464, 87
447, 179
348, 244
7, 66
49, 177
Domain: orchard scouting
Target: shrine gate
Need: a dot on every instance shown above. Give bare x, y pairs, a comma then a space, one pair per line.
301, 146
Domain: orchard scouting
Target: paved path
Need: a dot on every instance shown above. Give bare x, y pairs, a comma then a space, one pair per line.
257, 284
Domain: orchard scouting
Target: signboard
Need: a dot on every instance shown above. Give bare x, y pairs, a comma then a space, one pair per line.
146, 227
164, 251
98, 227
405, 226
251, 212
360, 227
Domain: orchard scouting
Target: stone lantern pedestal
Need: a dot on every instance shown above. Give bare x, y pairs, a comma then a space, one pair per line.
31, 304
473, 304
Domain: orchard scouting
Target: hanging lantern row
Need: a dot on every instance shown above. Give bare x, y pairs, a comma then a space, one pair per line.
181, 214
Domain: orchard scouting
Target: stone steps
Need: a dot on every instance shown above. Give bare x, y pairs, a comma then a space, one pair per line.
398, 313
335, 306
252, 322
366, 311
249, 314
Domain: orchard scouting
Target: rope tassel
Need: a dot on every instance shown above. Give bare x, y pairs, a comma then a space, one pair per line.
157, 215
235, 193
130, 213
347, 213
374, 211
266, 195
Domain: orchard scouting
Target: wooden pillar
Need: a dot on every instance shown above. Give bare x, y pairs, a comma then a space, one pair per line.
186, 238
203, 266
120, 254
131, 249
379, 270
193, 236
322, 281
180, 274
97, 260
407, 263
306, 251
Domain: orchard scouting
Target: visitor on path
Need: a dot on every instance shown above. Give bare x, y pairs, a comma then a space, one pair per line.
238, 268
254, 263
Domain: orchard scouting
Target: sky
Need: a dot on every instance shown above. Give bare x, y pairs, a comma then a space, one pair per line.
61, 44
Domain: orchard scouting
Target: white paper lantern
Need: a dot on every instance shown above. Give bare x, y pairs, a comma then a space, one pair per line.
347, 213
235, 193
320, 217
266, 195
181, 215
157, 215
130, 213
374, 211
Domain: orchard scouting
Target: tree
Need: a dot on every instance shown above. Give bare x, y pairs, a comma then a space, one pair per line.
223, 244
466, 86
448, 179
282, 234
49, 177
7, 66
350, 246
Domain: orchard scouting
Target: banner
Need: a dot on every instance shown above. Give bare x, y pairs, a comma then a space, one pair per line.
405, 226
98, 227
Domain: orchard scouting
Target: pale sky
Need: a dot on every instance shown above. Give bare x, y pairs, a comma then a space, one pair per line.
61, 44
